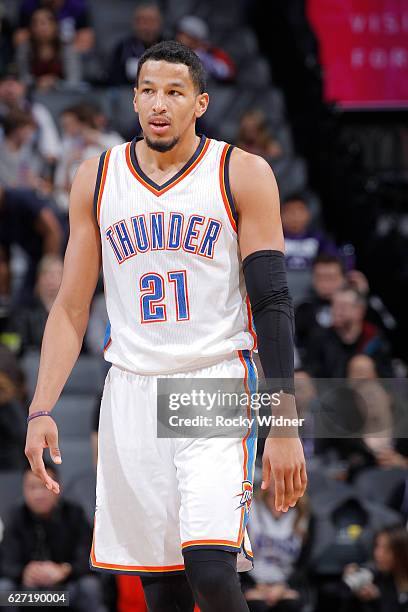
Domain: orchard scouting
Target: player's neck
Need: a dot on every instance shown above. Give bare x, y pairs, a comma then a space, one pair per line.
178, 155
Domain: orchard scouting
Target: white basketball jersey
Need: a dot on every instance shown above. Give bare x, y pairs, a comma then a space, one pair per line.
175, 292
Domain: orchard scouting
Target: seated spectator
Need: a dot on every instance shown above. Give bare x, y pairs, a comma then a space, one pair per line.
328, 276
329, 350
12, 412
13, 96
147, 31
382, 586
280, 542
302, 245
43, 60
18, 166
30, 222
29, 322
194, 33
72, 16
255, 136
46, 546
84, 136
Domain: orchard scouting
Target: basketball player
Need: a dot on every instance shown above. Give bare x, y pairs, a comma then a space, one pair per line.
180, 223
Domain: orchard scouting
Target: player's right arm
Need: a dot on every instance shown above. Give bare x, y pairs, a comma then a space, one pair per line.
68, 319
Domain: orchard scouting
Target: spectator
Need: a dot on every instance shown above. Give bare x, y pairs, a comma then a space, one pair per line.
12, 412
13, 96
302, 245
314, 312
329, 350
30, 222
84, 136
193, 32
29, 322
328, 276
280, 542
385, 588
73, 19
43, 59
18, 166
255, 136
46, 546
147, 31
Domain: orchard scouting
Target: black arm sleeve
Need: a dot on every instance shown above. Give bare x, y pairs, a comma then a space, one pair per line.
272, 309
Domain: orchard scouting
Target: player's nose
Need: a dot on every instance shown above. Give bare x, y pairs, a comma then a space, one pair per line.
159, 103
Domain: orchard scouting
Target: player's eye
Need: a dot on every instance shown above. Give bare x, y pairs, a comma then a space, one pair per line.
174, 92
147, 90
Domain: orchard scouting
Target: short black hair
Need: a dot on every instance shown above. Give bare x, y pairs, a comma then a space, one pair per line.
175, 52
326, 258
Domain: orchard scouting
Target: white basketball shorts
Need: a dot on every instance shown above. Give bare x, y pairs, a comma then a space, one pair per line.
157, 497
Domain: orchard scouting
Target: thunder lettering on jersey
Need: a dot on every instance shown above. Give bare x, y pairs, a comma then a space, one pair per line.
174, 287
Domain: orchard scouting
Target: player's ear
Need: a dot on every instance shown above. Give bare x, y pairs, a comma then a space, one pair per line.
201, 104
135, 99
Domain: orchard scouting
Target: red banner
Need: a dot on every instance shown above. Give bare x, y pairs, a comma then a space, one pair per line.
363, 50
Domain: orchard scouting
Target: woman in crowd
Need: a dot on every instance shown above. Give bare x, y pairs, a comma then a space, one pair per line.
43, 59
280, 542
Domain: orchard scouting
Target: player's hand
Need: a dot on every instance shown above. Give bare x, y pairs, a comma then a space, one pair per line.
42, 432
284, 461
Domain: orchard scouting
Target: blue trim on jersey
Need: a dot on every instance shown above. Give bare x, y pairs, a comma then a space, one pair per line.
98, 184
227, 184
107, 334
186, 166
252, 438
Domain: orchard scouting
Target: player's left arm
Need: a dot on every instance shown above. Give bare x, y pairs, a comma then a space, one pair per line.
261, 243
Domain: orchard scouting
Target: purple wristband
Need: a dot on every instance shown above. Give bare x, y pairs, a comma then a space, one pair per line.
38, 414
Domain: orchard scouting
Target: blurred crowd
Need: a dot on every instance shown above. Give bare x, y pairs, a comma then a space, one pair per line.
345, 545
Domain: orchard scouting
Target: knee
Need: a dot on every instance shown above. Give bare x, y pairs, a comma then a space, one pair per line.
212, 575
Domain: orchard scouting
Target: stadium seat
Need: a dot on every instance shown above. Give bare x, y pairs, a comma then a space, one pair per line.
87, 377
76, 458
377, 484
11, 489
81, 490
73, 415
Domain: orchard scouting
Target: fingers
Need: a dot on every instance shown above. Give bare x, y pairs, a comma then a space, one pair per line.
279, 478
266, 475
35, 458
52, 442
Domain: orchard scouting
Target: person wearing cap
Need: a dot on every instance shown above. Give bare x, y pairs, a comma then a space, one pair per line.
194, 33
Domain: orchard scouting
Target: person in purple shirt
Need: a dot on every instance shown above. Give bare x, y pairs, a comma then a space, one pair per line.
72, 15
302, 244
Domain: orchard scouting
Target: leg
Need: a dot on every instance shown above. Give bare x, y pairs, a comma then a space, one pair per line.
86, 594
168, 594
214, 580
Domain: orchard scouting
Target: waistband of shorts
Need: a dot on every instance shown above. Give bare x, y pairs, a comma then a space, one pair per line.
230, 358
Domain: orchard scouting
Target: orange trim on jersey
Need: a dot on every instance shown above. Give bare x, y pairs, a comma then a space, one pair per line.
131, 568
251, 324
159, 192
102, 184
210, 542
224, 194
107, 345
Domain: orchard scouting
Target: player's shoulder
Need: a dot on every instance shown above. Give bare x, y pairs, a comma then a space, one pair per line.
249, 171
248, 164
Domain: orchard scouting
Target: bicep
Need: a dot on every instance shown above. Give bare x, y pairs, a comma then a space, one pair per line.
82, 261
257, 200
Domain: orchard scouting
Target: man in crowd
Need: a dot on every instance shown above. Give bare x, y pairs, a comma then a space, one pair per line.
329, 350
147, 31
46, 546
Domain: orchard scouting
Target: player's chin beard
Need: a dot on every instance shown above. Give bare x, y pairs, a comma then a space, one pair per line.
160, 146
